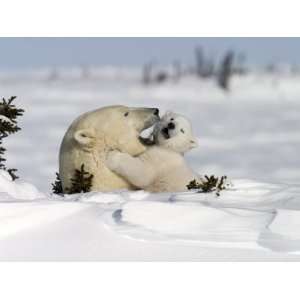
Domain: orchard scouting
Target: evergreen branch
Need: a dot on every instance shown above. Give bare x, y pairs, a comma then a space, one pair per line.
57, 186
9, 110
209, 184
8, 125
12, 174
81, 182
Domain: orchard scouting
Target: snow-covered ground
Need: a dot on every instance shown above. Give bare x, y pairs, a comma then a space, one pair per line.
250, 134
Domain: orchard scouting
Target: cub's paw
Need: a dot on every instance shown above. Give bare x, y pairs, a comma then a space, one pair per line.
112, 159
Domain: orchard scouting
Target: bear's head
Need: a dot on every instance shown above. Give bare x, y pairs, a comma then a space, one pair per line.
174, 132
115, 127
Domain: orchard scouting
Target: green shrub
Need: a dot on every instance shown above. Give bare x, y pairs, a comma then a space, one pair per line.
81, 182
8, 125
57, 186
209, 184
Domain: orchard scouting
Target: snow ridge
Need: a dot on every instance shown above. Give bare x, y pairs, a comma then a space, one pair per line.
260, 217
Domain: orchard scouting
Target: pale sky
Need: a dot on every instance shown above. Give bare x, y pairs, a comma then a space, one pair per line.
20, 53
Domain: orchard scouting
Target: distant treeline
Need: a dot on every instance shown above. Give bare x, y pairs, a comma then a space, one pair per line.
205, 67
219, 69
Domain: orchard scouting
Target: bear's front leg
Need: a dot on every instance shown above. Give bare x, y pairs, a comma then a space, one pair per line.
133, 169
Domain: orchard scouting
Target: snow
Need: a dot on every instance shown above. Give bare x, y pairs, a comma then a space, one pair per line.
22, 190
142, 226
250, 134
191, 220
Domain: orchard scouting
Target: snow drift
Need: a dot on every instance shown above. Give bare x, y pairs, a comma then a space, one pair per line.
22, 190
251, 132
143, 226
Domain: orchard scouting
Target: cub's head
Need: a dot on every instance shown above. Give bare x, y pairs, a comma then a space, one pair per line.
174, 132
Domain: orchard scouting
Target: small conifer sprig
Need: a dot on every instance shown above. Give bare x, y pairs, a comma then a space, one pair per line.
8, 125
12, 174
209, 184
81, 182
9, 114
57, 186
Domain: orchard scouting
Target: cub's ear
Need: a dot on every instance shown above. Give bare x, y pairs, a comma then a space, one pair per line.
168, 113
84, 136
193, 143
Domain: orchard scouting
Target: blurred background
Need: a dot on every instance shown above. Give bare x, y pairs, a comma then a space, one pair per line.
242, 96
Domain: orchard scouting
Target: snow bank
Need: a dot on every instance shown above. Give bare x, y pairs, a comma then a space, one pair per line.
16, 217
246, 193
105, 198
18, 189
110, 198
287, 223
243, 223
195, 220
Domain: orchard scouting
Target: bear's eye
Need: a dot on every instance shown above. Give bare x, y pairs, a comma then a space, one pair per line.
126, 114
172, 119
182, 130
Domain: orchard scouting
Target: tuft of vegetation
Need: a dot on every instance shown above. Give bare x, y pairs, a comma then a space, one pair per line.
8, 125
57, 186
209, 184
81, 182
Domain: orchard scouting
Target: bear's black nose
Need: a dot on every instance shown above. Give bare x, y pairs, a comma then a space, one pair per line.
171, 126
156, 111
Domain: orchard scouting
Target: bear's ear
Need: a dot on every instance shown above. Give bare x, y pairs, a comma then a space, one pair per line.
84, 136
193, 143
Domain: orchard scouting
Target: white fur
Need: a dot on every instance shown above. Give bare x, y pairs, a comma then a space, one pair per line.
161, 168
92, 135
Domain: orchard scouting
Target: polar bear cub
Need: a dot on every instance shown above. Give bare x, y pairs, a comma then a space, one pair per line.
162, 167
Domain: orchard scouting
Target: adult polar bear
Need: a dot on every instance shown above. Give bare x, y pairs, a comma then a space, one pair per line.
93, 134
